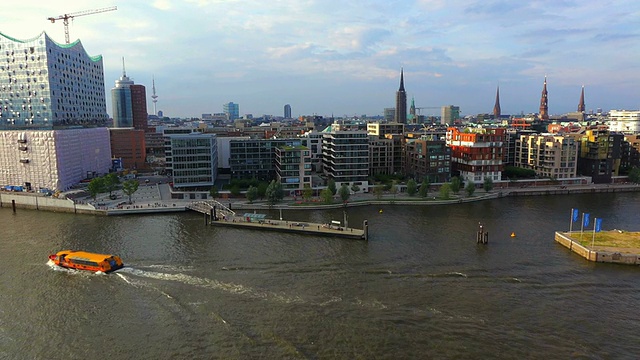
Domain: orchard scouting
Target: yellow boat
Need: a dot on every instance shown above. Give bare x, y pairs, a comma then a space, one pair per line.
83, 260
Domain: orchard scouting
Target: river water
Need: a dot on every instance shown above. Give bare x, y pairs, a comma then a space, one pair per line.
420, 288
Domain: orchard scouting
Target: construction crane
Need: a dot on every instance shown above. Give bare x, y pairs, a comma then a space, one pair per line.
65, 18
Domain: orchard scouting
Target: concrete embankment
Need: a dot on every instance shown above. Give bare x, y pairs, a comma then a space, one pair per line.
595, 254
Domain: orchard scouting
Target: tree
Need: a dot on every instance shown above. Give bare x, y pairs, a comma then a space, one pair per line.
344, 193
274, 193
235, 190
129, 187
445, 191
355, 188
394, 188
95, 187
307, 193
488, 184
378, 190
331, 185
252, 194
213, 192
412, 187
634, 175
326, 196
111, 181
455, 184
424, 187
470, 188
262, 189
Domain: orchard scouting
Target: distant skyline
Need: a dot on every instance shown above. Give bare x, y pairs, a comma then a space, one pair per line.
344, 58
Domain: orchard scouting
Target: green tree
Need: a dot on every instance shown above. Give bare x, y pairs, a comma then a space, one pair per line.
262, 189
307, 193
445, 191
129, 187
111, 181
213, 192
455, 184
355, 188
470, 188
378, 190
95, 187
252, 194
344, 193
424, 187
326, 196
488, 184
274, 193
331, 185
412, 187
394, 188
634, 175
235, 190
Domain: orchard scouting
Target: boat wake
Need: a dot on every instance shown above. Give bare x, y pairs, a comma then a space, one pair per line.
55, 267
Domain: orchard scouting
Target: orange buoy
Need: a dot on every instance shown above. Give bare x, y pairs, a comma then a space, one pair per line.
513, 234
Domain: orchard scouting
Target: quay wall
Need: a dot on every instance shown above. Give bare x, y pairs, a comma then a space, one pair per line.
47, 203
597, 255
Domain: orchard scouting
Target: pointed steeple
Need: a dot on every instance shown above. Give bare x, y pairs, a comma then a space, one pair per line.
544, 102
401, 101
496, 107
581, 103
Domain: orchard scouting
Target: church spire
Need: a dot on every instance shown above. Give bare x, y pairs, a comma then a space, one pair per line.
496, 107
544, 102
401, 101
581, 104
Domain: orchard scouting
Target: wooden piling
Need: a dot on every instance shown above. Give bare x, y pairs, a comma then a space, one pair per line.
13, 206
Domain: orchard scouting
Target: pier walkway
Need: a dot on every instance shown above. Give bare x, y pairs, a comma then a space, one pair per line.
215, 213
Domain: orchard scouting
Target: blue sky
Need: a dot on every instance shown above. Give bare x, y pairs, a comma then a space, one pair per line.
344, 57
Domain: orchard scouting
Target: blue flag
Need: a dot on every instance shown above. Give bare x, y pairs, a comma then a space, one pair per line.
575, 214
598, 225
586, 220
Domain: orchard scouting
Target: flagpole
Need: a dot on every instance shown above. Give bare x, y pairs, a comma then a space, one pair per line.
593, 239
571, 222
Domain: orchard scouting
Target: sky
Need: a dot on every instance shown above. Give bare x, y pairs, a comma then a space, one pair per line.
343, 58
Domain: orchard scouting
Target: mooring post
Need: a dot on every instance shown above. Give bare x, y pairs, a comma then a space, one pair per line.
365, 227
211, 213
13, 206
205, 219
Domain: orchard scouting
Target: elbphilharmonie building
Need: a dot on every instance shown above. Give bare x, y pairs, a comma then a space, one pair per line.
47, 85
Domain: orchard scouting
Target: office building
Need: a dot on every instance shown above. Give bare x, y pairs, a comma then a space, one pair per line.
293, 167
129, 103
449, 115
428, 157
191, 160
45, 85
624, 121
287, 111
231, 110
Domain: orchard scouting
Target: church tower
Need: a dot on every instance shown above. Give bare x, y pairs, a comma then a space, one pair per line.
496, 107
581, 104
401, 101
544, 105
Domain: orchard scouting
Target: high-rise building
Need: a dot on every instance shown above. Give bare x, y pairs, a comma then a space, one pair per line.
401, 101
544, 105
345, 157
129, 103
449, 114
477, 153
287, 111
232, 110
46, 85
496, 108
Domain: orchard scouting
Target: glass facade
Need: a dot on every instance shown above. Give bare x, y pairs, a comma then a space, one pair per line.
193, 160
46, 85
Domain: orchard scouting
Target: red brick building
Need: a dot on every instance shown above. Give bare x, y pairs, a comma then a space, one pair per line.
477, 153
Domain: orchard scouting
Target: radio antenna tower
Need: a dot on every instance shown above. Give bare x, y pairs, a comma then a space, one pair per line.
154, 96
